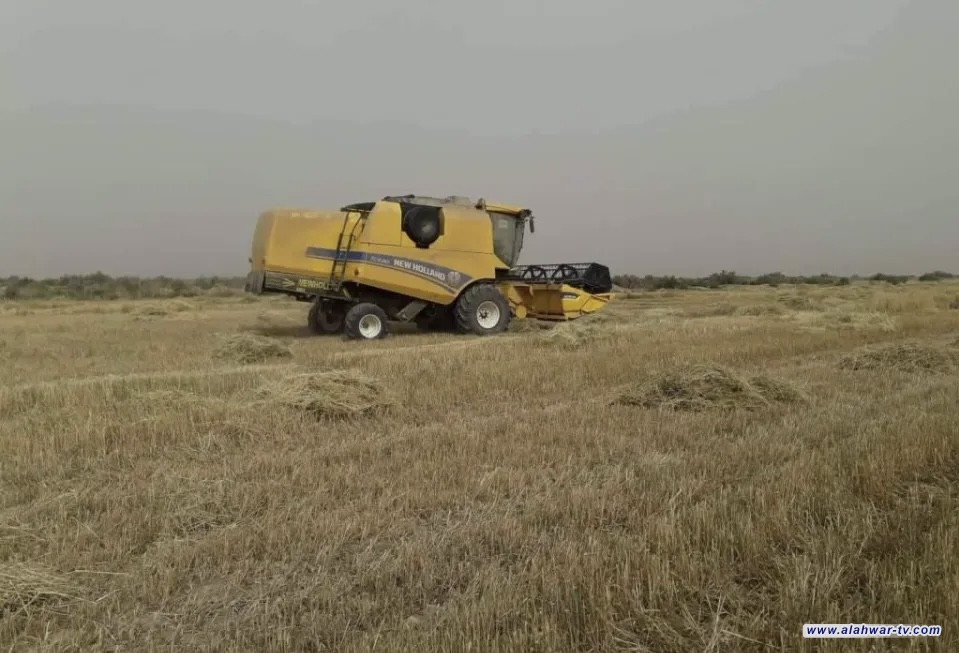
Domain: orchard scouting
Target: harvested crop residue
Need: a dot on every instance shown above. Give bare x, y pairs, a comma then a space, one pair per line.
245, 348
908, 357
22, 587
337, 394
582, 331
707, 387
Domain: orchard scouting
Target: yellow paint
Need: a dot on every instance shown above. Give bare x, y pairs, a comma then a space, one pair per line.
281, 239
301, 243
551, 301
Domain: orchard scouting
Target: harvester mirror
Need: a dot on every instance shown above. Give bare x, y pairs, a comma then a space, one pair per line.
423, 224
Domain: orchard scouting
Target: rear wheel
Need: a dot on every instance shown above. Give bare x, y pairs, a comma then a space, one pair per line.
365, 321
482, 310
326, 317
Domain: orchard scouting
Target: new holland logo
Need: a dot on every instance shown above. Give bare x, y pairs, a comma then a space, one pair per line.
438, 274
420, 268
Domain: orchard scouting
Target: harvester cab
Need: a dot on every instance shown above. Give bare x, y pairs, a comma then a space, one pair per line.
444, 263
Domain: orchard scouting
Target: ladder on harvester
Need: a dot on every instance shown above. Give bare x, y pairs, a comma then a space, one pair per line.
344, 245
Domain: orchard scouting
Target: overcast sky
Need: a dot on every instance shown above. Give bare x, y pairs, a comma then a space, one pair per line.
657, 136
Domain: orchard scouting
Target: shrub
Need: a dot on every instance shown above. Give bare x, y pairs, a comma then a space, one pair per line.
99, 286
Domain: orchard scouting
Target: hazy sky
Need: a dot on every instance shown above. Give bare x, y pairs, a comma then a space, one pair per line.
656, 136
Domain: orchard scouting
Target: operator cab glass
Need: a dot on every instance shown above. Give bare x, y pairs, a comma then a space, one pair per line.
507, 236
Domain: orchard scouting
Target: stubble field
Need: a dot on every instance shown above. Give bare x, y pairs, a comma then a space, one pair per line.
691, 471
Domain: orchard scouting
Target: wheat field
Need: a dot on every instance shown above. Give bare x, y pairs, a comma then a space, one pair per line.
699, 470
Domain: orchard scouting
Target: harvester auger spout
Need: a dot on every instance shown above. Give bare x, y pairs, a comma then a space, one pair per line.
439, 262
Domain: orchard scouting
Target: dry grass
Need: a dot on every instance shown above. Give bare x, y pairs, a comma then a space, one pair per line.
152, 309
530, 326
24, 588
760, 309
245, 348
903, 300
478, 493
707, 387
908, 357
844, 319
800, 302
577, 333
335, 394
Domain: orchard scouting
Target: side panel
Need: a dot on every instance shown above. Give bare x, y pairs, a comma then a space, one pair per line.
294, 251
385, 257
383, 226
261, 241
433, 276
464, 230
294, 284
282, 237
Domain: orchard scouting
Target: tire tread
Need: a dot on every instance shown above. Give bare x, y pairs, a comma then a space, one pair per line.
471, 298
351, 323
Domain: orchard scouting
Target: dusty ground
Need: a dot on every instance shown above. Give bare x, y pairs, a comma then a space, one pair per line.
154, 497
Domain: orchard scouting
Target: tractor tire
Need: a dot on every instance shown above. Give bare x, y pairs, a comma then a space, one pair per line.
365, 321
482, 310
326, 318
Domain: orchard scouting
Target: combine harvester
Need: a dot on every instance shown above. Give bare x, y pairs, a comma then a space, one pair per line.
441, 263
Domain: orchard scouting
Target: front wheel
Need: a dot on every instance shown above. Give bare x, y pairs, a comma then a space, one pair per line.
366, 321
482, 310
325, 317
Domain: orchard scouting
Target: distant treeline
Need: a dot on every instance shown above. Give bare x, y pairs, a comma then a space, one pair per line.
103, 286
729, 278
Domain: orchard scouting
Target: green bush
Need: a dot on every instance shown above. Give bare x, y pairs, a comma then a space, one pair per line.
937, 275
723, 278
894, 279
104, 287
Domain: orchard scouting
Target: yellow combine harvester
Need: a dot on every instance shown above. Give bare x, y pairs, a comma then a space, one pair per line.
441, 263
